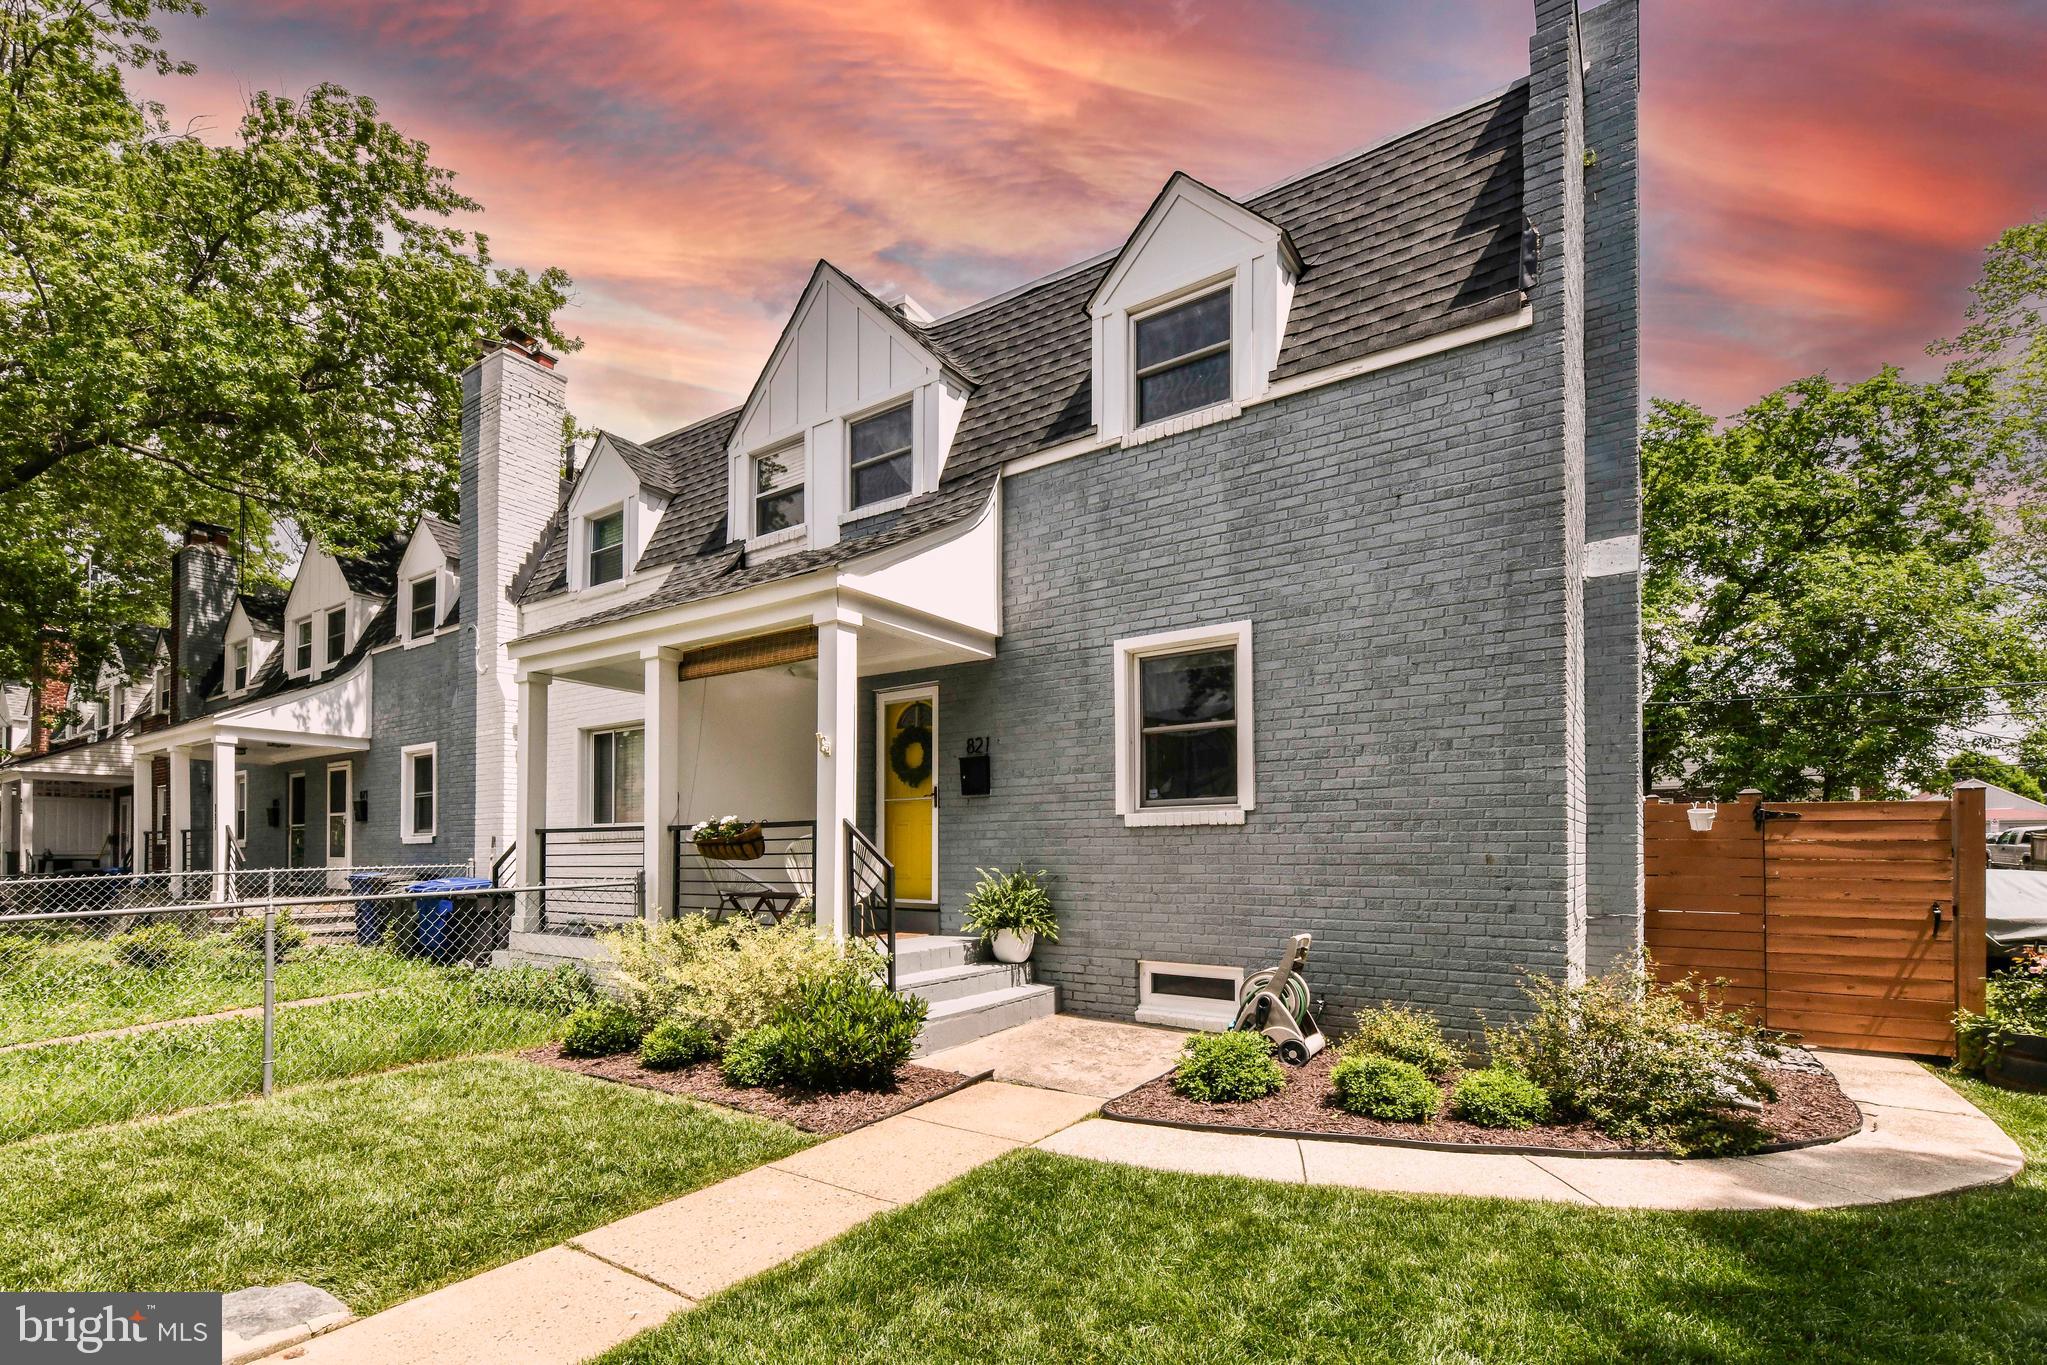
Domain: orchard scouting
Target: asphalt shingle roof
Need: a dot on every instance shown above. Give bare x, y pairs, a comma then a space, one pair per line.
374, 574
1401, 241
447, 536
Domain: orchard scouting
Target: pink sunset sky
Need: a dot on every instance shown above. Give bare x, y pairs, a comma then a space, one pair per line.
1820, 178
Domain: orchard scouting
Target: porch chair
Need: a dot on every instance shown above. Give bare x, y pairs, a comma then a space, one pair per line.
762, 898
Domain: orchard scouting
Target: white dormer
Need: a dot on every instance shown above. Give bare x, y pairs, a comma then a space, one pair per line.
852, 417
245, 648
323, 616
612, 512
427, 584
1188, 321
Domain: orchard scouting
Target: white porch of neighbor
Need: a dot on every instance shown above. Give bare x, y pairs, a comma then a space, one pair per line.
67, 811
756, 720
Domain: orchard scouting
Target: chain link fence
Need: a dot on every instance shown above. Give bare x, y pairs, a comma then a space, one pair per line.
124, 1011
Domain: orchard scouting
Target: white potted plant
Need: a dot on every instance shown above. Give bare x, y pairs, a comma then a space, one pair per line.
1012, 911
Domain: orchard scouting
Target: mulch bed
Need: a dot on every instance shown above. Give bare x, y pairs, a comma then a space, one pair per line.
813, 1113
1809, 1108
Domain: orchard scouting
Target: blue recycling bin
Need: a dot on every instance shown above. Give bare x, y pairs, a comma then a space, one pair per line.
370, 916
438, 937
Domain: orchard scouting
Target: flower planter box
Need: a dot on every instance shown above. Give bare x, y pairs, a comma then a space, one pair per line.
2021, 1064
743, 847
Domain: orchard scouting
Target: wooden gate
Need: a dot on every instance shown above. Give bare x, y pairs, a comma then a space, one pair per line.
1852, 924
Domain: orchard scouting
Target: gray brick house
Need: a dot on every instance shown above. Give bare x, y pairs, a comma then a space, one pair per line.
1273, 571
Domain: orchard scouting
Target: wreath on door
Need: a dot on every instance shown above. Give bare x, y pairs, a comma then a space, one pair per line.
909, 751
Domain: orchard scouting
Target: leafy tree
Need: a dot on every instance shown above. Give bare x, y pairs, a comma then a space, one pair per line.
272, 327
1981, 767
1817, 610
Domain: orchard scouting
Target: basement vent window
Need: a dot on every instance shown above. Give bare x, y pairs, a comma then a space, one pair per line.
1187, 995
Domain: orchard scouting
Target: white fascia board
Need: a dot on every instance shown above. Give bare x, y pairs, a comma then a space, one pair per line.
706, 619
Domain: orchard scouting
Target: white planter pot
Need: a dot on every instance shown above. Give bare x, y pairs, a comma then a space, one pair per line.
1011, 946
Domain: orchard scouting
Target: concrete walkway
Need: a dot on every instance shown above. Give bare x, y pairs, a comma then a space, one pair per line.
1919, 1137
574, 1301
1065, 1052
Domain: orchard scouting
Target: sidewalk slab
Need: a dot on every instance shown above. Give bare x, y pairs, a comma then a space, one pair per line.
1185, 1150
1021, 1113
1064, 1052
896, 1160
1407, 1170
1869, 1079
553, 1306
714, 1237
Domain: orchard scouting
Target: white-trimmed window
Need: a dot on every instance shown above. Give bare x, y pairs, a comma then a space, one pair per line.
606, 560
1182, 357
337, 635
1188, 994
302, 645
241, 810
163, 690
617, 772
778, 490
423, 607
419, 793
242, 666
1184, 726
880, 463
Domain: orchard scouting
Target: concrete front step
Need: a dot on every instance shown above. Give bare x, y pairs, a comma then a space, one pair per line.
976, 1016
957, 983
934, 952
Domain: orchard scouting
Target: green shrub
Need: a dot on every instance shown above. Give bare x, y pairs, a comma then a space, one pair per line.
1016, 901
846, 1033
753, 1058
247, 935
1498, 1098
152, 947
1385, 1088
602, 1030
562, 989
2014, 1005
729, 976
673, 1044
1634, 1057
1406, 1034
1227, 1068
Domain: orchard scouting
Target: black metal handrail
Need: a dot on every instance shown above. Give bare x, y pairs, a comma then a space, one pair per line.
504, 861
871, 892
589, 853
766, 887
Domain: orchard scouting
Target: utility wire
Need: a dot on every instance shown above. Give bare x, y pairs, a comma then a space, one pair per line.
1834, 696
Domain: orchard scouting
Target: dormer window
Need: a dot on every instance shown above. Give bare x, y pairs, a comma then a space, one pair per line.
302, 645
425, 606
879, 452
241, 667
607, 547
778, 483
337, 635
1183, 357
163, 690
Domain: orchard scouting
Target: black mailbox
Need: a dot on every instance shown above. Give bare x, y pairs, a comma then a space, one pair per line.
974, 775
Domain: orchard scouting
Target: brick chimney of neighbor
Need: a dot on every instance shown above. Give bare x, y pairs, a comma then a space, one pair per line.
51, 690
204, 584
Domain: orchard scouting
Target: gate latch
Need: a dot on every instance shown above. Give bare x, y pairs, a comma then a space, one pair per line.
1936, 919
1763, 813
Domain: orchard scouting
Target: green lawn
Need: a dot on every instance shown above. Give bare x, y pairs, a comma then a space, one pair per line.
1045, 1258
67, 1086
79, 985
376, 1189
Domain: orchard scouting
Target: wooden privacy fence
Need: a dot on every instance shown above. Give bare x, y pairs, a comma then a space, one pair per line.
1852, 924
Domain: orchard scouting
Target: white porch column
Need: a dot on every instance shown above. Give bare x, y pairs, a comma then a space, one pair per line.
221, 839
138, 817
25, 793
838, 758
530, 795
661, 756
181, 810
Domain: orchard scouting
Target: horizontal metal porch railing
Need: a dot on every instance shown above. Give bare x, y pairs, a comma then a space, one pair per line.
609, 854
767, 888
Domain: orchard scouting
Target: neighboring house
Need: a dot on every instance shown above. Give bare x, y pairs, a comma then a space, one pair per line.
2002, 808
1274, 571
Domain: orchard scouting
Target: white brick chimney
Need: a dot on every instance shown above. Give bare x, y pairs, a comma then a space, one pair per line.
512, 404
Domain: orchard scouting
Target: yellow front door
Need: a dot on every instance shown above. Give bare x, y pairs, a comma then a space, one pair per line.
909, 794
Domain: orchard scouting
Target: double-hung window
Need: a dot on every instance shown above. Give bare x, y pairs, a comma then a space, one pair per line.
302, 645
425, 608
416, 802
607, 547
879, 449
778, 477
241, 667
1183, 726
241, 808
1183, 357
337, 635
617, 764
163, 690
